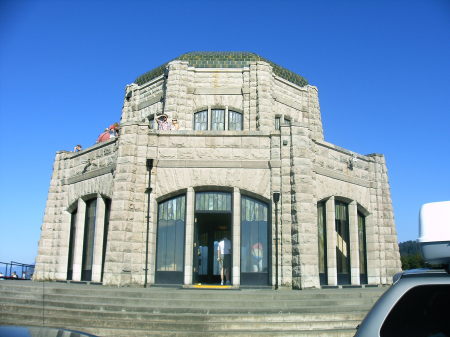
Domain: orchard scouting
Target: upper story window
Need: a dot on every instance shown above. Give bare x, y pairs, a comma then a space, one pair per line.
277, 123
218, 119
201, 120
234, 120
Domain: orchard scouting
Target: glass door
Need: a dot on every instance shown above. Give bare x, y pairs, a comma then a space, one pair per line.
209, 230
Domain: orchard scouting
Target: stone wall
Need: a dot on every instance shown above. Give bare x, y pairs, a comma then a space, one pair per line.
75, 175
294, 160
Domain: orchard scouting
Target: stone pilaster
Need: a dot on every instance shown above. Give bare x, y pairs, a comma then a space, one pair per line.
264, 117
285, 210
79, 239
98, 240
384, 216
189, 245
313, 114
304, 214
130, 103
236, 239
126, 247
354, 243
253, 115
331, 242
53, 250
246, 100
176, 92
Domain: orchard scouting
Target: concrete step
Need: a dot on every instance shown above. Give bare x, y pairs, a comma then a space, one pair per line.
118, 307
203, 302
180, 326
107, 311
177, 317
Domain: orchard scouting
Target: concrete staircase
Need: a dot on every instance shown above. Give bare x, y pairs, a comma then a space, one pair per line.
107, 311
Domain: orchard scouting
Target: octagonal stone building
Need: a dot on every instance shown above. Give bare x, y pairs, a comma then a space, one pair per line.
245, 158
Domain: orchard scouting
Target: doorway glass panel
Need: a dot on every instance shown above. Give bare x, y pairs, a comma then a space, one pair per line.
210, 229
254, 241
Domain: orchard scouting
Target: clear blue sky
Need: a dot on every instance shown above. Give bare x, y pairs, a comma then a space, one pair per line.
382, 68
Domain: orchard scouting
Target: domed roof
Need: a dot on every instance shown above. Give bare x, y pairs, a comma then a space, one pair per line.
224, 60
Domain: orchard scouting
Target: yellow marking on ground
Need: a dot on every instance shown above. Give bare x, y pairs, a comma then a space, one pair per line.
204, 286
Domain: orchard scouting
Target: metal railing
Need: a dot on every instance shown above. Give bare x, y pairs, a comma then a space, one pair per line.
16, 270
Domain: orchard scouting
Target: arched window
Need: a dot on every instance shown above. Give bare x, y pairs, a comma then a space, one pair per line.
234, 120
170, 240
322, 239
201, 120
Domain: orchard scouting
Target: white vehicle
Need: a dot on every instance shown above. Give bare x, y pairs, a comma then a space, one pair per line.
418, 303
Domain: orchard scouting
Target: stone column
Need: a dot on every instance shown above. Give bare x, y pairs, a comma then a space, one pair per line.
236, 238
152, 239
98, 240
331, 242
285, 210
79, 238
373, 258
176, 91
264, 109
189, 245
303, 210
354, 243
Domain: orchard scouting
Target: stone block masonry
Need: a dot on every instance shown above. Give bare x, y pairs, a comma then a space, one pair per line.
247, 128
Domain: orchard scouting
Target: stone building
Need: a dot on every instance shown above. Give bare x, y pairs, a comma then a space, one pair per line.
247, 160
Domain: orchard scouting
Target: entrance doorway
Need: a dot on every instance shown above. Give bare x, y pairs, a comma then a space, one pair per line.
210, 228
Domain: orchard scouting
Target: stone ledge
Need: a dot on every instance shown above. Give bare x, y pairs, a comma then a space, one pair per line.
245, 164
152, 100
215, 91
89, 175
288, 102
209, 133
339, 176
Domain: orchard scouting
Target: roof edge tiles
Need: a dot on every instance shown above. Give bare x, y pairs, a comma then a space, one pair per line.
223, 60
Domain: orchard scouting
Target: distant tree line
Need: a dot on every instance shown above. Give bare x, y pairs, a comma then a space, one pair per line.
410, 255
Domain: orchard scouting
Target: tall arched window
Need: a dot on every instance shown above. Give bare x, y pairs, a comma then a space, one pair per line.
91, 222
234, 120
322, 239
170, 240
362, 248
254, 242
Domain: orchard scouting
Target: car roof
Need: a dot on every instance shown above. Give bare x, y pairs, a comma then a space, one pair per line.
421, 273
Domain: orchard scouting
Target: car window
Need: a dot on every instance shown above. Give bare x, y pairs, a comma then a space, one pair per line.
424, 311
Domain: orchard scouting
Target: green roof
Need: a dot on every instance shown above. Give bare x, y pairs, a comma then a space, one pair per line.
223, 60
